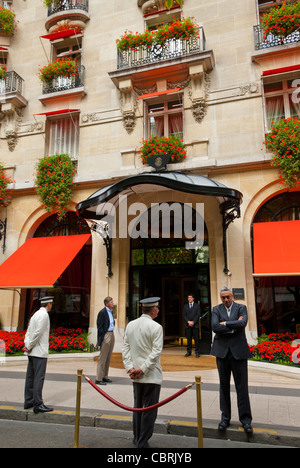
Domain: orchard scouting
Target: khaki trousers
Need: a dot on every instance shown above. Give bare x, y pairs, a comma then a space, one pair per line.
106, 350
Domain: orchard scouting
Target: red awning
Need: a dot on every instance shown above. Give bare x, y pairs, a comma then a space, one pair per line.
58, 112
276, 71
159, 93
276, 248
61, 34
40, 261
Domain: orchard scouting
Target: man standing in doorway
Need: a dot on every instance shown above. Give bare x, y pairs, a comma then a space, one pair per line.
191, 315
106, 340
142, 347
231, 349
37, 349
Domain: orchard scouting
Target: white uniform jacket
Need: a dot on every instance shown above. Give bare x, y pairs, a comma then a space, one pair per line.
37, 335
142, 347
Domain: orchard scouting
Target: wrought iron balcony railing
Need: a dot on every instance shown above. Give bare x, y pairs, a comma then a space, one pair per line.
11, 83
64, 83
271, 40
172, 48
65, 5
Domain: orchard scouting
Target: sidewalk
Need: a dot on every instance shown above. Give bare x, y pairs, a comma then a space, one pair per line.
274, 394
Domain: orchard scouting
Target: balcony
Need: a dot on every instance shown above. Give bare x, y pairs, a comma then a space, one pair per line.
67, 5
64, 83
64, 87
74, 12
273, 41
171, 49
11, 90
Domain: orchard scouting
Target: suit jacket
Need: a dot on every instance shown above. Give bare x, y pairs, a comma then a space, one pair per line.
232, 336
191, 314
142, 347
102, 325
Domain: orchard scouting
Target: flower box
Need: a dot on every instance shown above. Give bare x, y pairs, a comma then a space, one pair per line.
8, 23
154, 145
282, 21
61, 68
182, 30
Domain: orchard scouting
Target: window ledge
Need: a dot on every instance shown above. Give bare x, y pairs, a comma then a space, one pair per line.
62, 95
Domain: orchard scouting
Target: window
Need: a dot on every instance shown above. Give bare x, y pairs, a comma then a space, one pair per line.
63, 135
165, 119
280, 101
69, 47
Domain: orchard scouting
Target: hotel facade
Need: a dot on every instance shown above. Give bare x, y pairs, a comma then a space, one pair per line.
218, 91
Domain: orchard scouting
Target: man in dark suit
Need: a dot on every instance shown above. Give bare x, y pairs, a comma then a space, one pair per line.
106, 340
191, 315
230, 346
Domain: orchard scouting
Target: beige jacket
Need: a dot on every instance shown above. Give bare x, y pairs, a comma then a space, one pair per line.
142, 347
37, 335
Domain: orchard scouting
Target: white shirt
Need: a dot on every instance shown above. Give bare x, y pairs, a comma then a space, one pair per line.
142, 347
37, 335
111, 319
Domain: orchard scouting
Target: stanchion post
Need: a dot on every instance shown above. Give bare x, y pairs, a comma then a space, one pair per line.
199, 412
78, 402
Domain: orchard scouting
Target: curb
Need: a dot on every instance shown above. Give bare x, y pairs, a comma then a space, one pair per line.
261, 435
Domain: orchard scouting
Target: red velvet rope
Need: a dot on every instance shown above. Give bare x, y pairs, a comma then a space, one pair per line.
137, 410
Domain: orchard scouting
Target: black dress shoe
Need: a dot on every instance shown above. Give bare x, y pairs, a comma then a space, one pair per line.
187, 354
100, 382
223, 426
248, 428
41, 409
107, 380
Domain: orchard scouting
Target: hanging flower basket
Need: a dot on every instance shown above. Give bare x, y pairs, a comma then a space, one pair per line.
284, 143
176, 30
163, 145
54, 183
8, 23
4, 181
282, 21
62, 67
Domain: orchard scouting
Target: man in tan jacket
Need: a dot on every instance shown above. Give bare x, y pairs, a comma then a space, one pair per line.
142, 347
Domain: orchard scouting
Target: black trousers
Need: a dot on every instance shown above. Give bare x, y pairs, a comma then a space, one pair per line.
143, 423
192, 332
34, 383
239, 369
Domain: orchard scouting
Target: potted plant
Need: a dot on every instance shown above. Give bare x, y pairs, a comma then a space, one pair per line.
2, 79
4, 181
54, 183
177, 29
65, 68
281, 21
8, 24
283, 142
163, 145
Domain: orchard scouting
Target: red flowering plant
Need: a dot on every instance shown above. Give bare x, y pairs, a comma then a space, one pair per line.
54, 183
2, 72
163, 145
281, 348
283, 142
60, 340
177, 29
66, 67
4, 181
281, 21
8, 23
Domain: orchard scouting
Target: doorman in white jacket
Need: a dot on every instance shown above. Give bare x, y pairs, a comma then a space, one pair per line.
142, 348
37, 349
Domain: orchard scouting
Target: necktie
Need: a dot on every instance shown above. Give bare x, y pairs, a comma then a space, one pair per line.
228, 312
